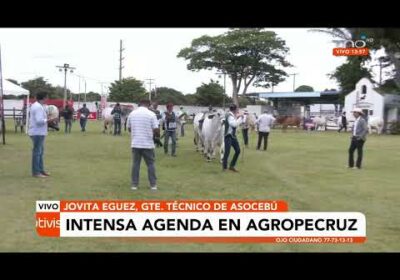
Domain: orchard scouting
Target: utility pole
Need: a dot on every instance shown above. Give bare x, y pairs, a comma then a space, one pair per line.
66, 67
85, 91
3, 124
79, 86
150, 82
121, 49
101, 85
294, 80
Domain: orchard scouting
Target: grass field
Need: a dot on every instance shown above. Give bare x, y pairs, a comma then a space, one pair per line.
308, 170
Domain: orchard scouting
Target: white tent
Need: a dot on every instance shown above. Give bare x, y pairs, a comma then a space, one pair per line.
11, 88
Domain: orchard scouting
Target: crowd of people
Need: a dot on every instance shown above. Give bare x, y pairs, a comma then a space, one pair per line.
144, 125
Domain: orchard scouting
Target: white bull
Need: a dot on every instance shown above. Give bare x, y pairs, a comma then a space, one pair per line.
198, 140
320, 122
375, 123
53, 113
108, 119
212, 134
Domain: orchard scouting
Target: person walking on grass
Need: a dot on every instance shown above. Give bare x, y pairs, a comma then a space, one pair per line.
84, 114
68, 114
117, 112
264, 123
232, 120
143, 126
170, 122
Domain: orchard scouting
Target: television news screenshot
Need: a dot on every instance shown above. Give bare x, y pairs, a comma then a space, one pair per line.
199, 139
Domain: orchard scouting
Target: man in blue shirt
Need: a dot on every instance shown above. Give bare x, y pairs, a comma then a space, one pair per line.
37, 131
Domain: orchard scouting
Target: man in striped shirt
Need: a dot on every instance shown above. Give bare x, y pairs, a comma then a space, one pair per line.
143, 126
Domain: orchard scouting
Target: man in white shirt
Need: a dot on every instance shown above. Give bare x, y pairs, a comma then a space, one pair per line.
37, 131
232, 121
264, 123
245, 128
143, 126
181, 121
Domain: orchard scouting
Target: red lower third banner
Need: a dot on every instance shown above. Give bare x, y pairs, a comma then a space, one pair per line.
197, 221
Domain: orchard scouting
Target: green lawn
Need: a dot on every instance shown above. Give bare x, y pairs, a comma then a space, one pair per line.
308, 170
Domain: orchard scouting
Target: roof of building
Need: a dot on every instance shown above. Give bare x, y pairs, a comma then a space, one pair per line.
289, 94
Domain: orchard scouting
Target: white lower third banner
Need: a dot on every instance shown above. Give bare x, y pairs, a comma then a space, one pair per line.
207, 225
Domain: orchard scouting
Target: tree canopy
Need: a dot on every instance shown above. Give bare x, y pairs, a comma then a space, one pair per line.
248, 56
163, 95
210, 94
127, 90
304, 88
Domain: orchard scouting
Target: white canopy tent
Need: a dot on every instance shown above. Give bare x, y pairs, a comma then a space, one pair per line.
11, 88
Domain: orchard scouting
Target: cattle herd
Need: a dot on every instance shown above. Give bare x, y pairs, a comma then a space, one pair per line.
209, 137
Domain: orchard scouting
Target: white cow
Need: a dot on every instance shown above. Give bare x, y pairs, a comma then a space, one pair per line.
212, 134
375, 123
198, 140
320, 123
53, 113
108, 119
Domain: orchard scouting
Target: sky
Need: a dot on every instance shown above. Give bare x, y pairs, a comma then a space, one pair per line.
149, 53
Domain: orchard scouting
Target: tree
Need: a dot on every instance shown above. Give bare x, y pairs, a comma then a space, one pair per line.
247, 56
304, 88
38, 84
389, 86
210, 94
127, 90
387, 38
190, 99
163, 95
261, 102
244, 101
58, 92
349, 73
90, 97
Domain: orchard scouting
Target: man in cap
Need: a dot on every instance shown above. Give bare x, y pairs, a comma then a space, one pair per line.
232, 120
170, 120
358, 138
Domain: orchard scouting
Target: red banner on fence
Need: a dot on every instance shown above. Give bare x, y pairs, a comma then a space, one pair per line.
92, 116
